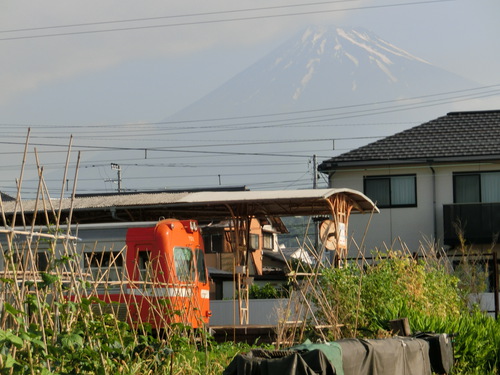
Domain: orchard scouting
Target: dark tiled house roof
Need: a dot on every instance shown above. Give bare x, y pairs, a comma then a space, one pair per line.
456, 136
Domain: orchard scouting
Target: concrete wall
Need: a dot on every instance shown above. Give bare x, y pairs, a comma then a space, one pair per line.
485, 301
261, 312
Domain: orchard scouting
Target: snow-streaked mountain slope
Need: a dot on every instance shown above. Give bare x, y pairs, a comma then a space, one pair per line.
325, 67
325, 91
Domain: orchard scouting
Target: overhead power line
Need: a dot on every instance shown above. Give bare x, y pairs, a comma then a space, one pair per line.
232, 11
191, 146
160, 149
267, 118
201, 22
319, 119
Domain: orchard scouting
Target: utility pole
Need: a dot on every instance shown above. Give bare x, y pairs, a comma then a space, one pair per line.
315, 175
119, 178
315, 186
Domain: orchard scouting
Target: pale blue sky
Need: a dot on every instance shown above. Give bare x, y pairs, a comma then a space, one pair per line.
145, 73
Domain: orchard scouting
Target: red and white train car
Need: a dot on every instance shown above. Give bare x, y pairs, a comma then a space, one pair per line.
158, 278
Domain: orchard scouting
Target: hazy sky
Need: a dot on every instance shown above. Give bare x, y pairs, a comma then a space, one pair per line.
94, 62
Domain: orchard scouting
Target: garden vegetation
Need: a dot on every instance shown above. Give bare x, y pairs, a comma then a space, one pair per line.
362, 300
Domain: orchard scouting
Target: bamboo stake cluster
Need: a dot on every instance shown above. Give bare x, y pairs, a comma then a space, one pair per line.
48, 281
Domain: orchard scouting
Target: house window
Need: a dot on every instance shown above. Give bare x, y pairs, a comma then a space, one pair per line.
476, 187
392, 191
213, 243
254, 241
267, 241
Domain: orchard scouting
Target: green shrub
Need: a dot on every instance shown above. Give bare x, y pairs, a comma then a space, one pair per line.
267, 291
397, 286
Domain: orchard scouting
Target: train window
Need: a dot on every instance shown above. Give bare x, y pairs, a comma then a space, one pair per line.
18, 260
200, 266
42, 261
105, 266
143, 264
184, 267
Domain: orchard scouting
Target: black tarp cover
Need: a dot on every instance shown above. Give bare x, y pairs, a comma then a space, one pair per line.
292, 363
440, 351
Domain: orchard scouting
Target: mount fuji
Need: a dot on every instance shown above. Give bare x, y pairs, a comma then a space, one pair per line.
326, 67
325, 91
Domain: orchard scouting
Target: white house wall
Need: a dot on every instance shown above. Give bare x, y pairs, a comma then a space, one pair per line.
414, 226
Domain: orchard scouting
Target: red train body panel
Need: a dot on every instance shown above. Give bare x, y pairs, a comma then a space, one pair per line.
167, 280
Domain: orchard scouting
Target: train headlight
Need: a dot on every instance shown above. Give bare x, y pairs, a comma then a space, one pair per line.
193, 226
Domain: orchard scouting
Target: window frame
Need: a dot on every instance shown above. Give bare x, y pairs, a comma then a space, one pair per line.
201, 268
254, 243
267, 241
185, 268
214, 242
479, 174
390, 178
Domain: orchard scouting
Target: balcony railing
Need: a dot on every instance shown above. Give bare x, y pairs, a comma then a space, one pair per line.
479, 222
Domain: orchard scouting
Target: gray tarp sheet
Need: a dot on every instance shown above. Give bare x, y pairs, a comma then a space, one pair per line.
393, 356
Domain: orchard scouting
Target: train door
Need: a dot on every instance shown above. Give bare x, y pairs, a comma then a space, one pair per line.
141, 281
202, 285
183, 293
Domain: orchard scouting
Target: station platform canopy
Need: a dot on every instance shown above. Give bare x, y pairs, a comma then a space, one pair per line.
199, 205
